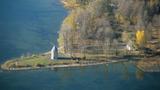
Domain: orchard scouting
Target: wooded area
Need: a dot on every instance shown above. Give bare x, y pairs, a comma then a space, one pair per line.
110, 27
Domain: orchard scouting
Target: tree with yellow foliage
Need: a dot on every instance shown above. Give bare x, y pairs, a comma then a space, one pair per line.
70, 3
70, 20
140, 38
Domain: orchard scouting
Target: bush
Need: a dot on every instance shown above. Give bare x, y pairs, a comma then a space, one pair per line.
40, 65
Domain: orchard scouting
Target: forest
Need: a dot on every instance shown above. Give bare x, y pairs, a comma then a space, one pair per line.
110, 27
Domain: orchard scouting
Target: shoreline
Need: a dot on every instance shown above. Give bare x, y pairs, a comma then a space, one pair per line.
77, 64
43, 61
149, 64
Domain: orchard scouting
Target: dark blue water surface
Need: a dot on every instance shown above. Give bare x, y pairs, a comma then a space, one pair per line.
120, 76
28, 26
31, 26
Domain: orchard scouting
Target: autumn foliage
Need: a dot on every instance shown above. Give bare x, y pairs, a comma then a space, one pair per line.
140, 38
107, 21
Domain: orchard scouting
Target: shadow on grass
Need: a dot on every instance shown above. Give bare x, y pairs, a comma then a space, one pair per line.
64, 58
69, 58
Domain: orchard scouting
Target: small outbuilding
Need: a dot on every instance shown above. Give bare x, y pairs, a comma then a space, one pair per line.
54, 53
130, 46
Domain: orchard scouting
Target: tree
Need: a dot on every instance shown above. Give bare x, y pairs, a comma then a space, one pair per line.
108, 20
126, 36
140, 38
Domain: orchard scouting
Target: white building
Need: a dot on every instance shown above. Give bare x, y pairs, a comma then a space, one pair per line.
130, 46
54, 53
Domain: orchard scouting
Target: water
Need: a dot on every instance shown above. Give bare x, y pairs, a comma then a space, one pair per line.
120, 76
30, 26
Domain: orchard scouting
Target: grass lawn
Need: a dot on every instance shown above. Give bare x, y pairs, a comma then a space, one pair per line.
35, 61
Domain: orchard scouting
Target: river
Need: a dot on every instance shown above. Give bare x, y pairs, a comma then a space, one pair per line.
31, 26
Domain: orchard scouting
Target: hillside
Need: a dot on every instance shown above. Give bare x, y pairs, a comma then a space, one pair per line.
107, 26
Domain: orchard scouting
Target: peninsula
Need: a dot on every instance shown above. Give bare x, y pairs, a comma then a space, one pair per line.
100, 32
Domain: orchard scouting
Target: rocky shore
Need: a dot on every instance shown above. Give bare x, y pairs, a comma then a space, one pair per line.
149, 64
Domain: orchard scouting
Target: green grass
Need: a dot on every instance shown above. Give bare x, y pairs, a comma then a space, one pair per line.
34, 61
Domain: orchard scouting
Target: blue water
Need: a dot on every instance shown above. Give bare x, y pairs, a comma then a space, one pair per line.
31, 26
28, 26
122, 76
